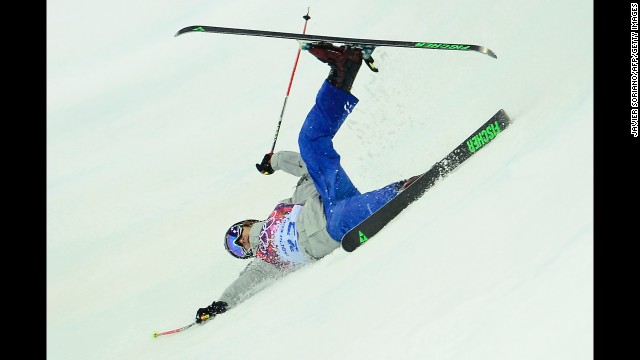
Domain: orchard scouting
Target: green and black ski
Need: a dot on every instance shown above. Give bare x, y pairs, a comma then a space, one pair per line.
306, 38
379, 219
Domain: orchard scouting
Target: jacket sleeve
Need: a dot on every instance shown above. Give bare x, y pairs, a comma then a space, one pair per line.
254, 278
289, 162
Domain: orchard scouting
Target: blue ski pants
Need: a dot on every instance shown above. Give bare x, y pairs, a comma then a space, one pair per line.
344, 206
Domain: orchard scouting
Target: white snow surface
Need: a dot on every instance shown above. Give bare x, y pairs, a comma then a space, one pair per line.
151, 146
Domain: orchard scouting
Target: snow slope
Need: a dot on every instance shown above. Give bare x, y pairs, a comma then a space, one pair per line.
151, 146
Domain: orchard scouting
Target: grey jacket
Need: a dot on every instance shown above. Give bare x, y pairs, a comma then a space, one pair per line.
313, 239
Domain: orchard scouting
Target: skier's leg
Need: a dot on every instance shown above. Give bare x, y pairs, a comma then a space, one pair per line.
352, 211
334, 103
316, 144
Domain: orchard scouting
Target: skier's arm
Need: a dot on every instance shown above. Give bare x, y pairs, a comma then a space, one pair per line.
254, 278
289, 162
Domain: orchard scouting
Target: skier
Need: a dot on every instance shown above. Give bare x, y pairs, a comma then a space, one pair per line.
325, 204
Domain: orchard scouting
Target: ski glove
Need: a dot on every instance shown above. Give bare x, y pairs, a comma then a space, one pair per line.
217, 307
265, 167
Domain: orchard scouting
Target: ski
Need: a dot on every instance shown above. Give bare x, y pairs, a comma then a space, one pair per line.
335, 39
379, 219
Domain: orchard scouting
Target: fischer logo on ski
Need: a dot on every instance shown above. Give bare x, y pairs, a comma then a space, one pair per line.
443, 46
483, 137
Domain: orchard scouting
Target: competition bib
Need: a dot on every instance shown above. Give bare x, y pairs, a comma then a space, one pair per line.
279, 237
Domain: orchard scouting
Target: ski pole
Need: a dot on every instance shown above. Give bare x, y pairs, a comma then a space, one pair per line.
306, 19
156, 334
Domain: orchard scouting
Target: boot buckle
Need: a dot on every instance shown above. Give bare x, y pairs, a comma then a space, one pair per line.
367, 50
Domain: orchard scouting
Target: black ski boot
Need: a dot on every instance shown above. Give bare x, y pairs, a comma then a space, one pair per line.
344, 61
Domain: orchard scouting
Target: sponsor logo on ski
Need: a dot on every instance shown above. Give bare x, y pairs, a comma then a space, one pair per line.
443, 46
483, 137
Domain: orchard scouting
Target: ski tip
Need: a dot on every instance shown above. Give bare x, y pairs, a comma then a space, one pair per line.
180, 32
189, 29
490, 53
154, 335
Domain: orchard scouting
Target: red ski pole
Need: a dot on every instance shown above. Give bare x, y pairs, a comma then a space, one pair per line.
156, 334
306, 19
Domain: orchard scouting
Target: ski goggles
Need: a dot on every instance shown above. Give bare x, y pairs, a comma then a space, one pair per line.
231, 242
